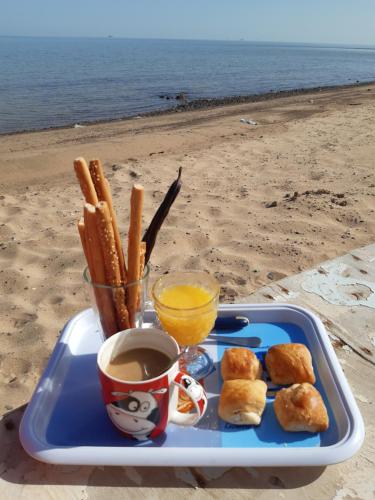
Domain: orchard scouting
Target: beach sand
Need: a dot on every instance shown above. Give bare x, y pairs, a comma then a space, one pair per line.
310, 157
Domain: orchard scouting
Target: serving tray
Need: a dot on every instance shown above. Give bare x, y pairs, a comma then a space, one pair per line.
66, 421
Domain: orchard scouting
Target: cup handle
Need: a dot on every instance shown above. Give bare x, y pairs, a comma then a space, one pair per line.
196, 393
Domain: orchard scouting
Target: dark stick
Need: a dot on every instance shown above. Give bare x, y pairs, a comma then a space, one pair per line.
152, 231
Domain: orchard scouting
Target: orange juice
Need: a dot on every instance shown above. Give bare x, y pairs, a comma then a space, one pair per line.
187, 312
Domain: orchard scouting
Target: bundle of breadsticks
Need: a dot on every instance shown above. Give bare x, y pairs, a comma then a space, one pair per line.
118, 300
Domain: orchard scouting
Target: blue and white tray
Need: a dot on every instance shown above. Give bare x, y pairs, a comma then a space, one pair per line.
66, 421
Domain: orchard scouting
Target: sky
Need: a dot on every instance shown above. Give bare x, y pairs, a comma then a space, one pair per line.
315, 21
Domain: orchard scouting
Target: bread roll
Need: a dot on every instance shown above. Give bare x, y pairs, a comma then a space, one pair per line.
242, 401
289, 364
240, 363
301, 408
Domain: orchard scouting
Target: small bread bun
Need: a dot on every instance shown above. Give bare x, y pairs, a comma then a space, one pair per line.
242, 401
301, 408
289, 364
240, 363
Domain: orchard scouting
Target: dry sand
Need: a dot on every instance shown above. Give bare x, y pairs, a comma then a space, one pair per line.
319, 146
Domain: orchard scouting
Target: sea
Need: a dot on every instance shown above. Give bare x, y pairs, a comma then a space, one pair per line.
54, 82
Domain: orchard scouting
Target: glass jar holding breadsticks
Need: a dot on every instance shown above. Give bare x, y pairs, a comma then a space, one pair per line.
106, 315
119, 290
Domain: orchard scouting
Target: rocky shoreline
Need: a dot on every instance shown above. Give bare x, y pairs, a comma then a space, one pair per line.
243, 99
201, 104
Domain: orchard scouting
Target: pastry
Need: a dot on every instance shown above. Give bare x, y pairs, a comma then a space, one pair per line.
301, 408
242, 401
289, 364
240, 363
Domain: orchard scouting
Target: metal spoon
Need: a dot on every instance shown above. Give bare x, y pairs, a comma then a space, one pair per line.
171, 363
239, 341
146, 373
176, 358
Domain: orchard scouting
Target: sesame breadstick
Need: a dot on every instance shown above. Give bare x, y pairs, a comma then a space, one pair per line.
104, 194
95, 261
111, 262
141, 270
85, 181
134, 248
81, 230
142, 257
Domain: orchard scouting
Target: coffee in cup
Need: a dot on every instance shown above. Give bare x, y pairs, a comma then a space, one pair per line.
138, 364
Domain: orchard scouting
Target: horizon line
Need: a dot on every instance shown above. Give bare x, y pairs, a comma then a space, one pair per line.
243, 40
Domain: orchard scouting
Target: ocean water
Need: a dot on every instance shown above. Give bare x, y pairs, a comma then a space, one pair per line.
49, 82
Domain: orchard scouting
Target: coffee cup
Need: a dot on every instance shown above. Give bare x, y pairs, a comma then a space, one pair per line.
142, 409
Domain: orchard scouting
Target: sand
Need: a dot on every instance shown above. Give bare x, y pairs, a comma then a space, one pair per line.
258, 203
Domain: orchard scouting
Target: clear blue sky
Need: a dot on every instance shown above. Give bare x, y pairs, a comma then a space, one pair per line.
331, 21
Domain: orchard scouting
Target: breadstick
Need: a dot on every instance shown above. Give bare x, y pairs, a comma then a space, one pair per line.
97, 272
141, 270
134, 248
81, 230
97, 176
111, 263
142, 259
85, 181
104, 194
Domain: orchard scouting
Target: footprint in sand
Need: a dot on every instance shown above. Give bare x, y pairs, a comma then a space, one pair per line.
6, 232
10, 364
173, 220
29, 335
25, 319
215, 211
239, 280
9, 250
56, 300
193, 263
228, 294
10, 211
180, 207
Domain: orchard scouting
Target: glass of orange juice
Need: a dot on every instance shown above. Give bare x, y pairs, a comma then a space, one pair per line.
186, 305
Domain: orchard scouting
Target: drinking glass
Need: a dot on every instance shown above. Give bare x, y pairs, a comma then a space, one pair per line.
186, 305
108, 292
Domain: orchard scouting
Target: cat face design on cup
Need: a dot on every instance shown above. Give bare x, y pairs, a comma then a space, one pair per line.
142, 410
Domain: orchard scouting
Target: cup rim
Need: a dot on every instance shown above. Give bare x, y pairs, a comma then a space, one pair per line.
186, 309
156, 331
87, 279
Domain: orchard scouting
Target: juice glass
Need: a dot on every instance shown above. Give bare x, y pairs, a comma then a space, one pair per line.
186, 305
